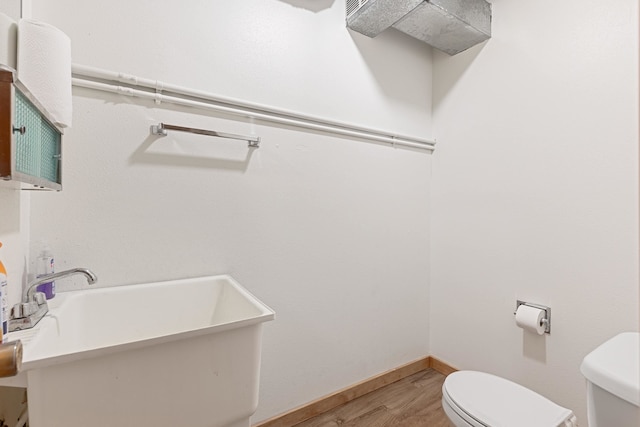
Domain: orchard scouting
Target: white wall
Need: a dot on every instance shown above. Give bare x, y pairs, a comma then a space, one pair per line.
535, 191
332, 233
12, 8
14, 235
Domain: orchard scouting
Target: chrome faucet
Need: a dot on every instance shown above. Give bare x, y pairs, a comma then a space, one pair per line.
27, 295
34, 306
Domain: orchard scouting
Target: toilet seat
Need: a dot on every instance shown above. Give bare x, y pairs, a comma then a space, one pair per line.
485, 400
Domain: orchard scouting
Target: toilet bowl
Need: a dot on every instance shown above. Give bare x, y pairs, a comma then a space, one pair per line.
478, 399
612, 371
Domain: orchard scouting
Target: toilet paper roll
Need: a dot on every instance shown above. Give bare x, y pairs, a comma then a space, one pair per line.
8, 40
44, 67
530, 319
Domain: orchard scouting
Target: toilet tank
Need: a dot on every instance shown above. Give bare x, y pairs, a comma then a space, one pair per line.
613, 382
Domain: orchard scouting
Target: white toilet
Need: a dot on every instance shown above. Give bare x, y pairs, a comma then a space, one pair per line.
478, 399
613, 382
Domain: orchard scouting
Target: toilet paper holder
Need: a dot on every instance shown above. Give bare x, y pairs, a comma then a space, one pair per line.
547, 313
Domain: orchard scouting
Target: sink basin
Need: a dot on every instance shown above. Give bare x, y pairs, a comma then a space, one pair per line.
183, 352
105, 320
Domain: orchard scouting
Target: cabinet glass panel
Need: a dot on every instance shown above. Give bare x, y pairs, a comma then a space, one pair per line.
38, 149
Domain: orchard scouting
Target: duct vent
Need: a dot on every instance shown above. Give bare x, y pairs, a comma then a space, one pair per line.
354, 5
448, 25
374, 16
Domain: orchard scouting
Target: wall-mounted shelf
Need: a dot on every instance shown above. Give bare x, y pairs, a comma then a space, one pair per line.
30, 144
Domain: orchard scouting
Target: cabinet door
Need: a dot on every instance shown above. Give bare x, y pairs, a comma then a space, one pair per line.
37, 145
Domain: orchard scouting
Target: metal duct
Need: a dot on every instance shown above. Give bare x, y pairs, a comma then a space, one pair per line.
371, 17
448, 25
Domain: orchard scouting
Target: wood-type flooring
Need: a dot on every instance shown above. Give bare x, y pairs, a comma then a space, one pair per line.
414, 401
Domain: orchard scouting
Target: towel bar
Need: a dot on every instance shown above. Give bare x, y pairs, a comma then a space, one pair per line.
162, 128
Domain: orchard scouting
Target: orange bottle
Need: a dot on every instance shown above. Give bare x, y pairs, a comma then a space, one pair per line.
4, 316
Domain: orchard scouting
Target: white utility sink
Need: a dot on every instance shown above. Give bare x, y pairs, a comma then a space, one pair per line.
184, 352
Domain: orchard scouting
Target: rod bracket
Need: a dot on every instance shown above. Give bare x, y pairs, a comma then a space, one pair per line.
158, 130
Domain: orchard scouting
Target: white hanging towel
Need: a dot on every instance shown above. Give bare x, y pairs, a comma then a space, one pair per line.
44, 67
8, 35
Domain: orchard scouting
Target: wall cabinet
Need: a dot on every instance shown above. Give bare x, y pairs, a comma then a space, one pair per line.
30, 144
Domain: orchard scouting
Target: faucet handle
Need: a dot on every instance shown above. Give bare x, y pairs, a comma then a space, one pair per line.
40, 298
23, 309
17, 312
26, 309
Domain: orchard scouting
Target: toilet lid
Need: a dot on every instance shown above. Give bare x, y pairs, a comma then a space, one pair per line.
497, 402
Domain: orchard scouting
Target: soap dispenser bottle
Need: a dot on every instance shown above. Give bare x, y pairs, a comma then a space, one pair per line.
44, 266
4, 315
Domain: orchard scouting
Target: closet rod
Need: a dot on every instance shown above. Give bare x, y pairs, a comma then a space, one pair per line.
85, 76
162, 128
